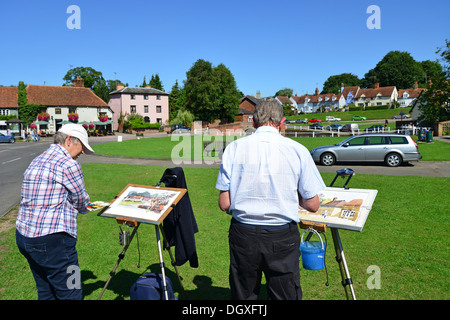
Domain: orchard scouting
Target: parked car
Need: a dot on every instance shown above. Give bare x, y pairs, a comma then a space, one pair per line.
179, 127
335, 127
375, 128
399, 116
332, 119
314, 121
358, 118
7, 138
350, 127
301, 121
392, 149
289, 121
316, 126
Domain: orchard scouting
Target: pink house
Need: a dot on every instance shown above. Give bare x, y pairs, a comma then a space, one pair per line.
151, 103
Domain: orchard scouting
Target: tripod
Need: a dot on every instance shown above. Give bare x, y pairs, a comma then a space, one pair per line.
340, 257
133, 223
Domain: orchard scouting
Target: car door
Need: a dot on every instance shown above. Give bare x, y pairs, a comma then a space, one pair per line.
376, 148
353, 150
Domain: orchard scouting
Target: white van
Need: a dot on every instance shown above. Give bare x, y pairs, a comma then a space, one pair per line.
350, 127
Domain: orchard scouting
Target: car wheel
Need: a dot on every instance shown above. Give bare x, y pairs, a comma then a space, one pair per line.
12, 140
327, 159
393, 160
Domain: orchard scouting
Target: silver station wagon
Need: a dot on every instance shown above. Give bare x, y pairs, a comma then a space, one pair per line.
392, 149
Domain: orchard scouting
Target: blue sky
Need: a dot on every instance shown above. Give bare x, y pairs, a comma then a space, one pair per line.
267, 45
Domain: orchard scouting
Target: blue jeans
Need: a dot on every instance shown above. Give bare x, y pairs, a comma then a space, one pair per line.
53, 260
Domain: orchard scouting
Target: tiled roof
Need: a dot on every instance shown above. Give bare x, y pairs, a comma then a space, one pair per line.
63, 96
353, 90
140, 91
373, 92
8, 97
413, 93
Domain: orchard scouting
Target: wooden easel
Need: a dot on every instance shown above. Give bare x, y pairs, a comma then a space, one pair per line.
347, 282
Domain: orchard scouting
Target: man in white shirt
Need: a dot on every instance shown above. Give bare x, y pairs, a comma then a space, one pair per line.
262, 180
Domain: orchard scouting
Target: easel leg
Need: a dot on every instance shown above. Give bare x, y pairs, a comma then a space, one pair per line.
121, 256
340, 258
167, 246
161, 261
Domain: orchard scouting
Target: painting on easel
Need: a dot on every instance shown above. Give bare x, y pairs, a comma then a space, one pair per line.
342, 208
146, 204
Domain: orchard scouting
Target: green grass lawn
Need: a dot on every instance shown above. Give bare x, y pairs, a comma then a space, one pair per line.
185, 146
405, 236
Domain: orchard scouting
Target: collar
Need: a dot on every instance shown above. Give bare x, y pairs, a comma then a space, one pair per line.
267, 129
62, 149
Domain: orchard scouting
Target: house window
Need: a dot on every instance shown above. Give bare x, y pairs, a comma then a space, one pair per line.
133, 97
145, 96
146, 119
145, 109
158, 109
133, 109
158, 97
73, 109
58, 111
159, 120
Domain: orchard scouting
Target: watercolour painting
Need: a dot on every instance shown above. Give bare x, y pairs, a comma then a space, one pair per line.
342, 208
146, 204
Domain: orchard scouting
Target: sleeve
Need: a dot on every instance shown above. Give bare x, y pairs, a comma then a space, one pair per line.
224, 177
74, 183
310, 182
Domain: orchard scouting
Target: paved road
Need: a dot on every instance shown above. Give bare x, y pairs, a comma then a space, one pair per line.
15, 158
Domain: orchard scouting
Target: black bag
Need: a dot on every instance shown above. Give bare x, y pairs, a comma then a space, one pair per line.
149, 286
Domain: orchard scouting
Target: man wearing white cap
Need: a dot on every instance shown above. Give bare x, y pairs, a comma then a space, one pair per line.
53, 193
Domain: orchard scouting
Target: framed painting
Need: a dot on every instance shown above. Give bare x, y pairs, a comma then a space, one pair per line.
342, 208
147, 204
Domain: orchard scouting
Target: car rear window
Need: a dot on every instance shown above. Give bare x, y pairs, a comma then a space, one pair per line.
398, 140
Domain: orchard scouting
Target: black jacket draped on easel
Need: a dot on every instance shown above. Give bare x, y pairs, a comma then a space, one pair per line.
180, 225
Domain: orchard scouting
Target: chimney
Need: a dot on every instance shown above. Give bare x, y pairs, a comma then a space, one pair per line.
377, 85
342, 87
258, 94
120, 86
416, 86
317, 91
78, 82
430, 83
148, 87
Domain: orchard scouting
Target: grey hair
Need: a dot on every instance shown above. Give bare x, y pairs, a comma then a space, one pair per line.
60, 138
268, 111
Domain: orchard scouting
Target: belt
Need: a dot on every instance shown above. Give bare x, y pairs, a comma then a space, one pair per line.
262, 226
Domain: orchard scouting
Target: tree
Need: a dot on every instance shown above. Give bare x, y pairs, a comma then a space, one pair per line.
395, 69
93, 80
211, 93
156, 83
333, 83
27, 112
228, 94
176, 100
434, 103
284, 92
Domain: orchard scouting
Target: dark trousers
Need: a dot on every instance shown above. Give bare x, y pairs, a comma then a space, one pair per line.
276, 252
53, 260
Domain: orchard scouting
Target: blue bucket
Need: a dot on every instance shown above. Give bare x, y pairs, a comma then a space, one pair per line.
313, 252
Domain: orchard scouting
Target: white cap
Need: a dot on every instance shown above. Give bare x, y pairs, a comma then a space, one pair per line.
77, 131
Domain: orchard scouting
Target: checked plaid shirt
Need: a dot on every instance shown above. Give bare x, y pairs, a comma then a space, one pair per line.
53, 192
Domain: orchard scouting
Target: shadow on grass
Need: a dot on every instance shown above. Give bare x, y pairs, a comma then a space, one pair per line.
122, 281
